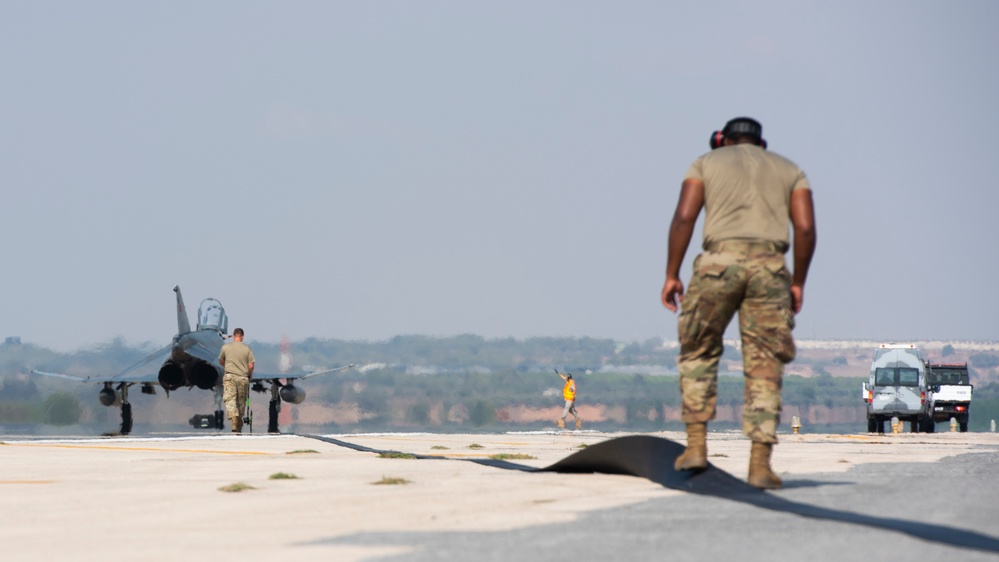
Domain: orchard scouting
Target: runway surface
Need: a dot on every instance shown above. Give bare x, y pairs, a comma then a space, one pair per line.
497, 497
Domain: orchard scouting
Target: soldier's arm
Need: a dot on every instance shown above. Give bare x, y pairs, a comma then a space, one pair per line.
681, 230
803, 223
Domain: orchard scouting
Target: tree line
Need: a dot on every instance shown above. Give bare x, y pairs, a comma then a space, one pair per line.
404, 380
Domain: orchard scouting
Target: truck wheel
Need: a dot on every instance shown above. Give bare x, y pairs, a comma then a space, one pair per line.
962, 424
914, 425
931, 426
872, 425
880, 422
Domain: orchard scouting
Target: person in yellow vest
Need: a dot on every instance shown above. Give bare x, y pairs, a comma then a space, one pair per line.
569, 393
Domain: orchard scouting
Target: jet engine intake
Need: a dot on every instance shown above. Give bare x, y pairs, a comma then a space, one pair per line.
292, 394
172, 376
204, 376
107, 396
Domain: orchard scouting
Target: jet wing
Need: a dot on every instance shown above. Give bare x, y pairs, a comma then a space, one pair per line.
138, 372
299, 376
62, 376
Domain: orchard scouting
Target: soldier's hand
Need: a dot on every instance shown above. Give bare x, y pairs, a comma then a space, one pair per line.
797, 297
672, 293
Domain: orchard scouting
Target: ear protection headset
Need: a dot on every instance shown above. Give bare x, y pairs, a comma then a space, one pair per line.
716, 139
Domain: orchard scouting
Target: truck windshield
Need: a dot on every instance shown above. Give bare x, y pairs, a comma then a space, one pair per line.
896, 376
948, 376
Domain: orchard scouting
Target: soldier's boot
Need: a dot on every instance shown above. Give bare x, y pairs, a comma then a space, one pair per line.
579, 423
237, 424
760, 474
695, 456
561, 422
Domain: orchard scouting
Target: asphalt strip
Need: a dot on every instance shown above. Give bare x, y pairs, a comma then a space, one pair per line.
652, 458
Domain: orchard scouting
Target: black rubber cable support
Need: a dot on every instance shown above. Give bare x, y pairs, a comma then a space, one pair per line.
652, 458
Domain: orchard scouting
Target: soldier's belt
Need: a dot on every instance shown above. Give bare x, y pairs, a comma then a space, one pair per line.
746, 246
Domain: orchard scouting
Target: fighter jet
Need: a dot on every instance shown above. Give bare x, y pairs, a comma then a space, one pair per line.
191, 360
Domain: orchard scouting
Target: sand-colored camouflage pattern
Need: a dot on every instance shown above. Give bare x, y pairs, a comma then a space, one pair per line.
752, 280
234, 392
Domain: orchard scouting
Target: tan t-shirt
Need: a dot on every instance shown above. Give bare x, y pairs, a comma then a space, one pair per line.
747, 193
237, 357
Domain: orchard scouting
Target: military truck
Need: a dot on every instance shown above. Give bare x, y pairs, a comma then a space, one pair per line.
896, 388
949, 392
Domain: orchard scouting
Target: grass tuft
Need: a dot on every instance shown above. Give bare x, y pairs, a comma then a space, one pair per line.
237, 487
582, 446
475, 446
511, 456
439, 447
300, 451
396, 455
282, 476
390, 481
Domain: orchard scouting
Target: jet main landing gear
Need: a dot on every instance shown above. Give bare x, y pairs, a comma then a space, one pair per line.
126, 409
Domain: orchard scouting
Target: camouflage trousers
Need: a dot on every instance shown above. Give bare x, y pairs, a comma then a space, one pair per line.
752, 280
235, 389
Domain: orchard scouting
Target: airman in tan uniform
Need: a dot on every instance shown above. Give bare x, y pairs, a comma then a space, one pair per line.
749, 196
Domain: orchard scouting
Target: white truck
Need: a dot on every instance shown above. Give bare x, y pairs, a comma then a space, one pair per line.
949, 391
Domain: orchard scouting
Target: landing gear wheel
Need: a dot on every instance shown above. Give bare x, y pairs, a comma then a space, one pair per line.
219, 418
126, 418
272, 416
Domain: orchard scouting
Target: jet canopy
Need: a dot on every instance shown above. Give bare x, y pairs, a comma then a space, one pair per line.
211, 316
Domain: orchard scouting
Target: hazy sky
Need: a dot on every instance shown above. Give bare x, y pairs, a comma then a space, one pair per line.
360, 170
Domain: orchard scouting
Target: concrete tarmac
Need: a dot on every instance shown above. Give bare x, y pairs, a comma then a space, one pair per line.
162, 498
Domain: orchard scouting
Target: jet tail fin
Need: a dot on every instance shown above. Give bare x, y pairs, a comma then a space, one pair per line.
183, 323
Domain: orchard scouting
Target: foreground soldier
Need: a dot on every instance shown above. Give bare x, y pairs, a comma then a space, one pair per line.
237, 361
749, 195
